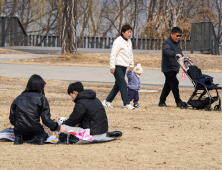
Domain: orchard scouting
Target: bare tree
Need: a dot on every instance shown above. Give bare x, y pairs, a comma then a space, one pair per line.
69, 43
218, 6
176, 10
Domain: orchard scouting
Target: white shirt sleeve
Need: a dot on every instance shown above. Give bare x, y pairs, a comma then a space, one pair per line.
115, 50
131, 61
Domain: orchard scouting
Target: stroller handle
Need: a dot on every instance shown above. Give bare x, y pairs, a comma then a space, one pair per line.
176, 57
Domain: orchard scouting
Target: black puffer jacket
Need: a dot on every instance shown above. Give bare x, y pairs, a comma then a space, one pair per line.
88, 113
26, 111
169, 51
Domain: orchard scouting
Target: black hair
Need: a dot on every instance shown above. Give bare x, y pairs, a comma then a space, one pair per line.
176, 30
125, 28
35, 84
77, 86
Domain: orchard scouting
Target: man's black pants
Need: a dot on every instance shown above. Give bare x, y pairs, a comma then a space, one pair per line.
171, 83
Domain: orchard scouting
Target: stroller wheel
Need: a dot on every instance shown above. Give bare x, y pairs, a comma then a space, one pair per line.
217, 108
207, 108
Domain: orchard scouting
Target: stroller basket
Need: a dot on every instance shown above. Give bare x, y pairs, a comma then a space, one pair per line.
200, 104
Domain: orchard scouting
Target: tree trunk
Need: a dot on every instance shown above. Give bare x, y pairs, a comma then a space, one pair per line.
69, 43
120, 16
219, 27
174, 17
59, 17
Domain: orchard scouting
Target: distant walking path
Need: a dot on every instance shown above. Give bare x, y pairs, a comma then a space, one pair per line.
57, 50
87, 74
84, 74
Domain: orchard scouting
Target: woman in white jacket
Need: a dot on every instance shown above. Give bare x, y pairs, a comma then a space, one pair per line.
121, 58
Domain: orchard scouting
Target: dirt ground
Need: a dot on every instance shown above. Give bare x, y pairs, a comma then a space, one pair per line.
153, 137
207, 63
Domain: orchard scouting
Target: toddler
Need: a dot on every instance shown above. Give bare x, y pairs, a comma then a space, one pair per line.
134, 84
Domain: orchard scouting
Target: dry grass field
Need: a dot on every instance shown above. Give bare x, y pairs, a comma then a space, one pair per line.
153, 137
207, 63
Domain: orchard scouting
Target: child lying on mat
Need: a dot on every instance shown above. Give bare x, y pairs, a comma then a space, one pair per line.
88, 113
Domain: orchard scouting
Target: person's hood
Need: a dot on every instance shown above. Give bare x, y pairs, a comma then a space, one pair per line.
86, 94
173, 41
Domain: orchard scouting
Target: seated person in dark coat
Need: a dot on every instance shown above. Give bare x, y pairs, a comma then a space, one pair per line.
88, 113
26, 111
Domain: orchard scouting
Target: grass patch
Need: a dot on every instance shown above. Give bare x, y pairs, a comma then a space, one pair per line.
207, 63
153, 137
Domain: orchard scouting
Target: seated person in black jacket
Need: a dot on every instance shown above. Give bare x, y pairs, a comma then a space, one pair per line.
88, 112
26, 111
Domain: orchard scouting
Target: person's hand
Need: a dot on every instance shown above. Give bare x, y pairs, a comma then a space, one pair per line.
112, 70
179, 55
130, 69
63, 130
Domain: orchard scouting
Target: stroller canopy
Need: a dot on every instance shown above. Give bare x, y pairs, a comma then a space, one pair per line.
185, 62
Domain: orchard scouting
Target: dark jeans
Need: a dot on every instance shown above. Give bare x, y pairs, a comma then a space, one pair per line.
30, 136
120, 85
171, 83
132, 94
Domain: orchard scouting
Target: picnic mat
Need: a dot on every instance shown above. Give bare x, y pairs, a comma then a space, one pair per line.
8, 134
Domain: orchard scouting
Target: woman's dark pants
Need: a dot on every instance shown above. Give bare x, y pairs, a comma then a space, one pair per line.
120, 85
171, 83
30, 136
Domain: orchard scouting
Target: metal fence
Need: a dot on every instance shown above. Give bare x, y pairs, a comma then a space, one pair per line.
203, 38
13, 34
101, 42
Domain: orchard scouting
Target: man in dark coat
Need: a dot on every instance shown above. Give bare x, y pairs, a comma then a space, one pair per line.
170, 67
88, 112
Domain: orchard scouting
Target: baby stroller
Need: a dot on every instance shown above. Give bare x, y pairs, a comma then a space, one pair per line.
201, 82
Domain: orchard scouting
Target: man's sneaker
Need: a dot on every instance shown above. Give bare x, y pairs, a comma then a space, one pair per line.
106, 104
162, 104
128, 106
137, 106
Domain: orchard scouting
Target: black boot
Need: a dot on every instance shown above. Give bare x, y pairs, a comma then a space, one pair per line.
37, 140
62, 138
18, 140
115, 134
67, 139
72, 139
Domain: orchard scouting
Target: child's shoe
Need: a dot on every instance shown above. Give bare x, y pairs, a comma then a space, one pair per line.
128, 106
137, 106
106, 104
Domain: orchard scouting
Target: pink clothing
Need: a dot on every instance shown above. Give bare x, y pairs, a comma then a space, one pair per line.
85, 135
